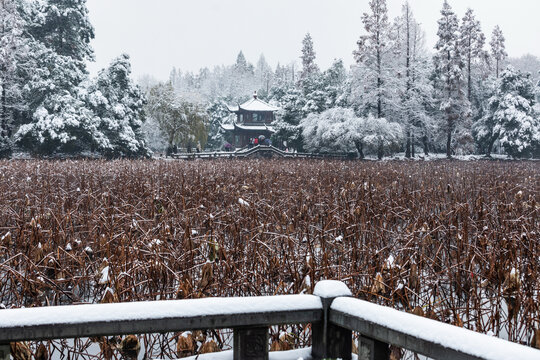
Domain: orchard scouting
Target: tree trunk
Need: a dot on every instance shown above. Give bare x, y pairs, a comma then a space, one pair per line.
469, 92
379, 80
408, 146
3, 115
380, 150
425, 143
449, 143
412, 145
490, 145
360, 148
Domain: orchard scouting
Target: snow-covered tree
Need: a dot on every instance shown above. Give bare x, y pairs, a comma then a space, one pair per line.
327, 131
511, 117
449, 67
264, 76
55, 118
472, 41
118, 103
64, 26
218, 114
339, 129
373, 84
412, 70
309, 67
527, 63
334, 79
498, 48
163, 107
291, 112
381, 135
12, 57
182, 123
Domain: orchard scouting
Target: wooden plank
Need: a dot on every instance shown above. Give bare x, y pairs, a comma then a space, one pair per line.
251, 343
60, 331
4, 351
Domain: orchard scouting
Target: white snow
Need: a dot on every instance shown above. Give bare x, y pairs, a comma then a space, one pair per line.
243, 202
331, 288
450, 336
104, 276
149, 310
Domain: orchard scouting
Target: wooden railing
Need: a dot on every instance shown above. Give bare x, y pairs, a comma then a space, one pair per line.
333, 315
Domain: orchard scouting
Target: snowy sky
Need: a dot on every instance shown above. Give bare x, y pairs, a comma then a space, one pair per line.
191, 34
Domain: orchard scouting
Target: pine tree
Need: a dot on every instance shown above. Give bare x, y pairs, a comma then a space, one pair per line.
498, 48
371, 56
242, 66
449, 71
511, 117
55, 119
472, 41
64, 26
219, 114
57, 35
118, 103
264, 76
334, 79
412, 71
309, 67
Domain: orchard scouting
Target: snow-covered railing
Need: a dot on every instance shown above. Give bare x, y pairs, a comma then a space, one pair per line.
332, 312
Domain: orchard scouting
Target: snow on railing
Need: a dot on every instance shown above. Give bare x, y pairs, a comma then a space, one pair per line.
332, 312
428, 337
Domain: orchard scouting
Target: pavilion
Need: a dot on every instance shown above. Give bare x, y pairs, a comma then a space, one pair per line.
253, 119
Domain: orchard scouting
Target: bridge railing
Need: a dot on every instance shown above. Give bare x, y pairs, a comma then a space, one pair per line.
259, 150
333, 315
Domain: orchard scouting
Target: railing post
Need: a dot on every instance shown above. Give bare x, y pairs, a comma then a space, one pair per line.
329, 341
250, 343
371, 349
4, 351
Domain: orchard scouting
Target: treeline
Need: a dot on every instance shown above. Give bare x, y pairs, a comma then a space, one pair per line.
462, 97
48, 103
459, 98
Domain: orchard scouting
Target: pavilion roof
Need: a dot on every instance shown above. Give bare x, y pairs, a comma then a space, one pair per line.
254, 104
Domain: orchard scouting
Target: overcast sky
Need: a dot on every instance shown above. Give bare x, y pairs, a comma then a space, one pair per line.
191, 34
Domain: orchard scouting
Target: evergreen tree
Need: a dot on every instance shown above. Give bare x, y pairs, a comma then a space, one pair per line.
511, 117
449, 72
118, 103
309, 67
64, 27
291, 111
414, 89
242, 66
472, 41
371, 57
218, 115
264, 76
334, 79
55, 119
57, 36
498, 48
